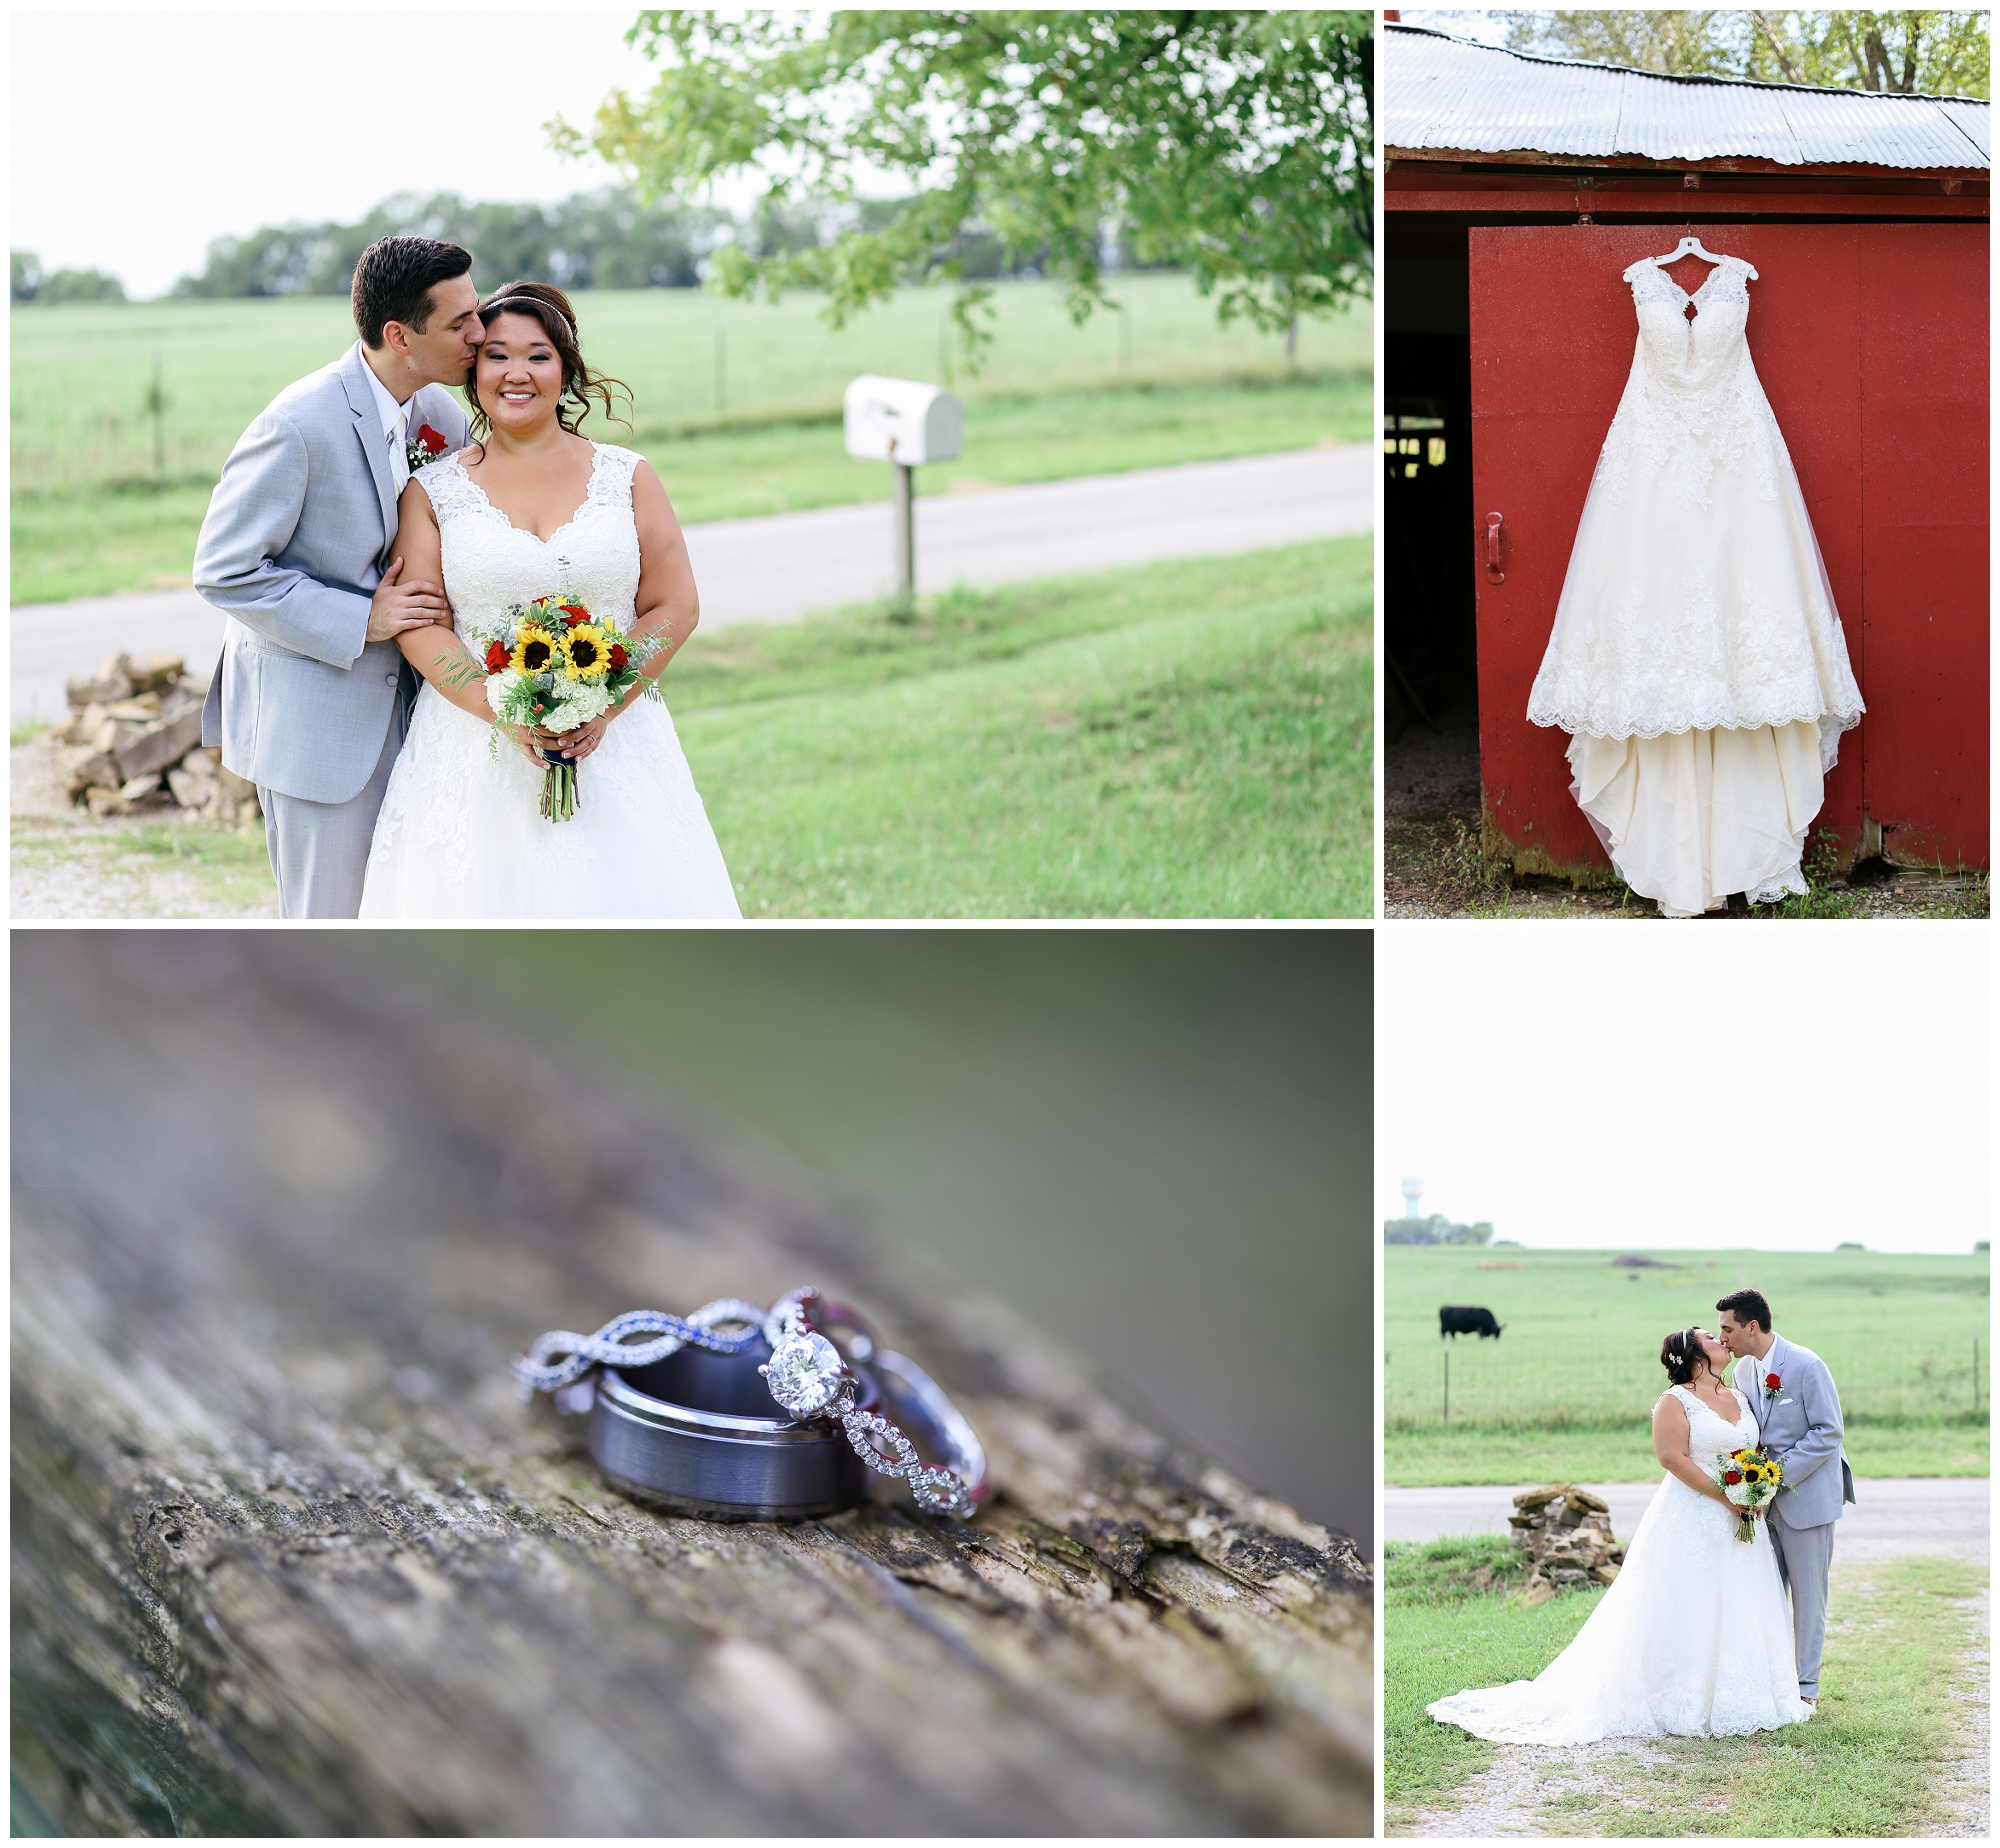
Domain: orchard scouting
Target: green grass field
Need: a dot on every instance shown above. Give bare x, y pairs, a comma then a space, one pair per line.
1188, 739
1898, 1659
1567, 1390
94, 509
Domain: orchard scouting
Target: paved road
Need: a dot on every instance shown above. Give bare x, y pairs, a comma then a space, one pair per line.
776, 568
1890, 1519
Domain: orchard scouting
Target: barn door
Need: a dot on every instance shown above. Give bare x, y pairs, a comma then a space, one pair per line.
1870, 341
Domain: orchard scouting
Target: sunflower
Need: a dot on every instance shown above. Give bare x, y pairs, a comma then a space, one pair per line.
586, 652
534, 648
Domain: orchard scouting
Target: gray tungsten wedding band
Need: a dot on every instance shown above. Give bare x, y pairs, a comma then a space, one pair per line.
697, 1442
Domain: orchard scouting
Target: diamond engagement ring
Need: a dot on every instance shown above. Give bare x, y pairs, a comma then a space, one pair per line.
682, 1410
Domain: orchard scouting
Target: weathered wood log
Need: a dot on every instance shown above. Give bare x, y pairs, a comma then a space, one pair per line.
290, 1557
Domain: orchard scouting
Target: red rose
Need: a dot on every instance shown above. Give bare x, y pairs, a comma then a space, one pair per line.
1732, 1477
431, 440
496, 657
618, 656
1772, 1382
570, 621
574, 609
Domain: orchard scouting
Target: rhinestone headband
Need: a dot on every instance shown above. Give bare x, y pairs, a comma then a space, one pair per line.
518, 301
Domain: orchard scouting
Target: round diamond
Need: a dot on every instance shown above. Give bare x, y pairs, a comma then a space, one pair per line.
806, 1374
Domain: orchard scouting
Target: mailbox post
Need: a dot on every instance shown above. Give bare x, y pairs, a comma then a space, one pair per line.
905, 424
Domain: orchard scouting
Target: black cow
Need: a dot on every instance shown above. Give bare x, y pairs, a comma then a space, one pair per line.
1478, 1322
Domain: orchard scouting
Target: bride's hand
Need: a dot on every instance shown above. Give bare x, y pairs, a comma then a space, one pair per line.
524, 736
579, 743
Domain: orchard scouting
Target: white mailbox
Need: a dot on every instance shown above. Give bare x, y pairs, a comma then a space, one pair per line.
899, 420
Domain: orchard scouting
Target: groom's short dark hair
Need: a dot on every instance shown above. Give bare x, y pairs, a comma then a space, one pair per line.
394, 278
1748, 1306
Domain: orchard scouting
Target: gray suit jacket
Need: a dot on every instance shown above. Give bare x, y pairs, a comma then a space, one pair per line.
1801, 1426
296, 539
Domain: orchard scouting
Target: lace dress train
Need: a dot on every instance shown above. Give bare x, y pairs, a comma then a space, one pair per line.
1696, 657
460, 834
1692, 1639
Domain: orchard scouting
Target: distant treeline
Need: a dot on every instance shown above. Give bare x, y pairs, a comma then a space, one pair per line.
28, 283
607, 239
1435, 1229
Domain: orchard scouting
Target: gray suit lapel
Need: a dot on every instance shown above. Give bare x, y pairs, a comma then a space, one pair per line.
368, 432
1773, 1362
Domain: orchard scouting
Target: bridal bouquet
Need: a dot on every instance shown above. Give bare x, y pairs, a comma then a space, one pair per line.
1750, 1478
552, 663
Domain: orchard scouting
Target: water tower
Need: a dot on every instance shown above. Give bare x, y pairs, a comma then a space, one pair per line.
1413, 1191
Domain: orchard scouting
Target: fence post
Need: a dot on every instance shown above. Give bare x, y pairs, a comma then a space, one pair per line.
1447, 1382
156, 408
1975, 1374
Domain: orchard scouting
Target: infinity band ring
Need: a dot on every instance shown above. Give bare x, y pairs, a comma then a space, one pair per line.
684, 1414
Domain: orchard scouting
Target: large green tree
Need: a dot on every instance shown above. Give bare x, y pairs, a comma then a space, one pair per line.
1934, 53
1235, 143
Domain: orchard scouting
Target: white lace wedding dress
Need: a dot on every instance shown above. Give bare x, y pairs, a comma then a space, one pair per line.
460, 834
1693, 1638
1696, 659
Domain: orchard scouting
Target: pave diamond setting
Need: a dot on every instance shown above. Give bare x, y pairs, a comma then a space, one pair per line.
807, 1376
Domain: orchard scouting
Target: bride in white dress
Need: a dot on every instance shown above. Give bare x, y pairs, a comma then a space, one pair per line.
529, 510
1694, 1636
1697, 659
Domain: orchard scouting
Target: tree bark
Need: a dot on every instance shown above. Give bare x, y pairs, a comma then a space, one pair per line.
289, 1556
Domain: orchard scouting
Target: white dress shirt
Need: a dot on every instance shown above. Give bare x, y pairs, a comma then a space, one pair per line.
395, 429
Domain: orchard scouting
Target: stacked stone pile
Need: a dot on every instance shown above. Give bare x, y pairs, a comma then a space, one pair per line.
133, 741
1565, 1535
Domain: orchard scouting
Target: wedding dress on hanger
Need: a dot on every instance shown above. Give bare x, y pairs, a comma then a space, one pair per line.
1693, 1638
1696, 660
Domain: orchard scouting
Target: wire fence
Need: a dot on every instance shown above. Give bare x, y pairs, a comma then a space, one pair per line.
1541, 1380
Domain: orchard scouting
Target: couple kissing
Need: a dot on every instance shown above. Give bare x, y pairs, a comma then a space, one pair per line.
1697, 1636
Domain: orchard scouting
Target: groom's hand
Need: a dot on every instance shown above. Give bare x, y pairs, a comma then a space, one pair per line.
397, 607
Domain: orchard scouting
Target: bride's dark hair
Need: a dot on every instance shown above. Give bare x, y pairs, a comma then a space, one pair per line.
549, 308
1681, 1355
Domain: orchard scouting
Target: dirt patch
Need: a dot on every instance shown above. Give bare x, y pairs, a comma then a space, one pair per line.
168, 863
1516, 1795
1966, 1789
1432, 864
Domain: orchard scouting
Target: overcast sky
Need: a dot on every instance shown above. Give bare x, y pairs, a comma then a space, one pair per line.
139, 135
1702, 1086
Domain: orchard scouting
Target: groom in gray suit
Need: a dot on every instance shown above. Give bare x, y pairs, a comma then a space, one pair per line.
312, 697
1798, 1421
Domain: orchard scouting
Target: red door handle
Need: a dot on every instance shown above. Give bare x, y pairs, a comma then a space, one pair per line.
1494, 575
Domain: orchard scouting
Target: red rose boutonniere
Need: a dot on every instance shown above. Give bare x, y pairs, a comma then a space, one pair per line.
1771, 1384
426, 446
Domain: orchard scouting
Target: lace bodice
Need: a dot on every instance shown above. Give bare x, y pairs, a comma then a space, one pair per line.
489, 562
1693, 405
1711, 1437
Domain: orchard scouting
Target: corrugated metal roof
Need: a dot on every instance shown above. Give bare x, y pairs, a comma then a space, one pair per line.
1438, 92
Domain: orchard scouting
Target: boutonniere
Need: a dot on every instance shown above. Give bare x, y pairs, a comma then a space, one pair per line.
1771, 1384
426, 446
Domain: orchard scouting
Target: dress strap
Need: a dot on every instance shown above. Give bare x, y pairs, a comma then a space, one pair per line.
611, 474
449, 487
